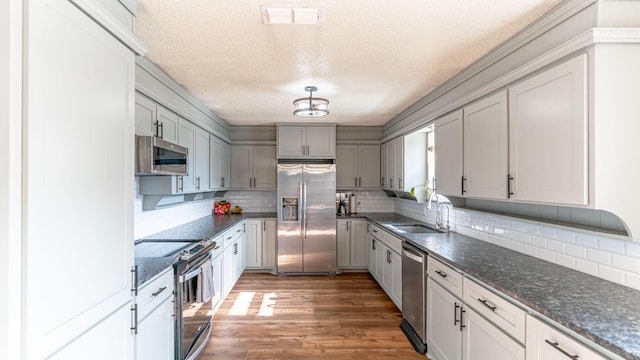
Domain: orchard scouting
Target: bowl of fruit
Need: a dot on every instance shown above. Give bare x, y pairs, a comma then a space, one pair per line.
221, 207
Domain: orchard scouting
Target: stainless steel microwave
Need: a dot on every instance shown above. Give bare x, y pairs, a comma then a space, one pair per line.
155, 156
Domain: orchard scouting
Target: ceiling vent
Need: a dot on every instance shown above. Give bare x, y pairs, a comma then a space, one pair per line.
272, 15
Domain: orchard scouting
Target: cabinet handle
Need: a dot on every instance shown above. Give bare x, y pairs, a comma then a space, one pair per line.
388, 257
134, 280
359, 182
391, 183
347, 226
455, 313
485, 303
399, 183
180, 184
238, 230
355, 181
264, 226
462, 311
373, 245
157, 292
374, 230
161, 125
134, 319
462, 183
303, 149
308, 152
433, 180
441, 273
382, 181
198, 183
222, 181
156, 124
235, 249
556, 346
509, 192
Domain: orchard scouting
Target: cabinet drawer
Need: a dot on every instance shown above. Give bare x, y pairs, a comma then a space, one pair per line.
219, 246
547, 343
238, 231
374, 231
394, 243
154, 292
445, 276
500, 312
228, 238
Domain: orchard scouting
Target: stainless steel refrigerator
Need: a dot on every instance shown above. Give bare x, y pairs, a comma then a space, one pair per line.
306, 218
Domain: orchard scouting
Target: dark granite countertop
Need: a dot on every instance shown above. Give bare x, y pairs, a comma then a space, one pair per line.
604, 312
203, 228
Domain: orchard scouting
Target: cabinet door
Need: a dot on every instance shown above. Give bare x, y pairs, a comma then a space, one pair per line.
264, 167
443, 332
187, 138
392, 181
269, 243
548, 135
202, 160
381, 262
80, 97
254, 243
372, 264
384, 176
485, 147
545, 343
291, 140
215, 177
168, 123
448, 150
216, 264
225, 163
228, 269
155, 339
241, 165
358, 243
241, 256
398, 164
346, 166
395, 287
369, 166
342, 236
321, 142
145, 116
483, 341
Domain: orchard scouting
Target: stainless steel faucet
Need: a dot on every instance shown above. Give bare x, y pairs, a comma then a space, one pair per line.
439, 204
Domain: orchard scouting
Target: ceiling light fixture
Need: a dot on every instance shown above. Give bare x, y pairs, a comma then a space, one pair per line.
310, 106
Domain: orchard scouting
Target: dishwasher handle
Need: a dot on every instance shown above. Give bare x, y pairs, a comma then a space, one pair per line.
412, 253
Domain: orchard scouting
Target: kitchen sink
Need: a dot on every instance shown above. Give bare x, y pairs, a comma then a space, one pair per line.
413, 228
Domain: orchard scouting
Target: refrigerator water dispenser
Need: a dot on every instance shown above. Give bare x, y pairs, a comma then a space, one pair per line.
289, 209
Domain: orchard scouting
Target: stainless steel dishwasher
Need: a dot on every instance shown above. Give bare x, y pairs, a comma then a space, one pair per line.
414, 304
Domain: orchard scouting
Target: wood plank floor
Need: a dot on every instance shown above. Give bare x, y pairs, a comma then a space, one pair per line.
308, 317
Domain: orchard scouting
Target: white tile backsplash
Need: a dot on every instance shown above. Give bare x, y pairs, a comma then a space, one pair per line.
609, 257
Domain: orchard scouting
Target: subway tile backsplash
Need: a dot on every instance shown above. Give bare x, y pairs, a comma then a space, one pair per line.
608, 257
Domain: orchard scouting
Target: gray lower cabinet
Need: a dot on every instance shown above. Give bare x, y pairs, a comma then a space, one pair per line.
352, 243
384, 262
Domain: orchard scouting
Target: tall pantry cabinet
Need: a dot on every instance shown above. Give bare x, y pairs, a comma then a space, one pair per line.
77, 183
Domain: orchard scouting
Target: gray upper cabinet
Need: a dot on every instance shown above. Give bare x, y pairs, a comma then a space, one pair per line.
219, 164
253, 167
154, 120
295, 142
357, 166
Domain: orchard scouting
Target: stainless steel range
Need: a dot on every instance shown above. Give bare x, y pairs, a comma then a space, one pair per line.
194, 290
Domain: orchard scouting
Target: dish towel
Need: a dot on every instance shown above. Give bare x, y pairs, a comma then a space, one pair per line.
205, 287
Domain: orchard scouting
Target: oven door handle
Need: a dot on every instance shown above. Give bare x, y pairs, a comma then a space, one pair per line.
197, 269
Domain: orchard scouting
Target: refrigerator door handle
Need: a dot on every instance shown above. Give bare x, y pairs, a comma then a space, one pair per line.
304, 209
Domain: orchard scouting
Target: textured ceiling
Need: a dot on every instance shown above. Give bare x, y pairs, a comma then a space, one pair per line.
370, 58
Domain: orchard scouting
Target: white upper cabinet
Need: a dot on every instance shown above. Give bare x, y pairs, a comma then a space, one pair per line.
357, 166
448, 150
297, 142
486, 147
392, 159
548, 135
